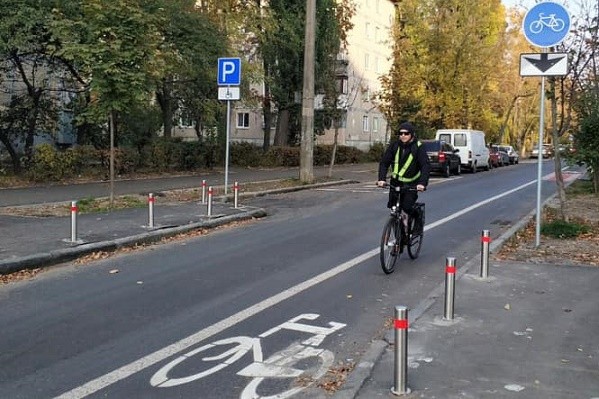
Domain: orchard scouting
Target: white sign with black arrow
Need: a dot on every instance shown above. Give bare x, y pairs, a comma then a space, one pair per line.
544, 64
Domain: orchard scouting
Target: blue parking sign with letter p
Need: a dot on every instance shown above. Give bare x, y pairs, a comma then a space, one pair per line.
229, 71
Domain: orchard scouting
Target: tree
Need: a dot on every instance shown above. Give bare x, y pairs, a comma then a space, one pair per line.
282, 52
34, 74
444, 57
194, 43
117, 47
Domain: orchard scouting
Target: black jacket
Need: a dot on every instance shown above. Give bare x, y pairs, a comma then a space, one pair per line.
420, 162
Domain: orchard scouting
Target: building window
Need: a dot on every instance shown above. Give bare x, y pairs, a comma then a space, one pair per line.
243, 120
368, 29
375, 124
365, 123
366, 61
366, 94
342, 85
183, 118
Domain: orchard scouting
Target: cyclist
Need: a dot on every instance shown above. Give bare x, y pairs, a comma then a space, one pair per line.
410, 168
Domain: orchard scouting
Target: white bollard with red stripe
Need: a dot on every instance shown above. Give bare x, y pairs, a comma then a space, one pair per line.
151, 201
209, 201
203, 191
450, 270
484, 254
74, 211
400, 370
236, 194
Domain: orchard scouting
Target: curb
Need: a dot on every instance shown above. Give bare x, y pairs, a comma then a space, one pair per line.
67, 254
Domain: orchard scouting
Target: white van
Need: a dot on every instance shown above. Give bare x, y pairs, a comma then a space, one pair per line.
473, 153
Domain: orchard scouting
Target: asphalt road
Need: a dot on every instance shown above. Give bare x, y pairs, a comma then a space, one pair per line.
87, 332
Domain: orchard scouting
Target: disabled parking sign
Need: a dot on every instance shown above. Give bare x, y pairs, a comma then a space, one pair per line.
546, 24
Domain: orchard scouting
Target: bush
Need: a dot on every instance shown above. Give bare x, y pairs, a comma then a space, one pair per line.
245, 154
561, 229
282, 156
49, 164
375, 153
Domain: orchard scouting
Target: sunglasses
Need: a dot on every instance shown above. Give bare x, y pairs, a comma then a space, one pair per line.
404, 133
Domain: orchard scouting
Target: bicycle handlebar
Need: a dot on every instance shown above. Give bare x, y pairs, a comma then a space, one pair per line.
401, 189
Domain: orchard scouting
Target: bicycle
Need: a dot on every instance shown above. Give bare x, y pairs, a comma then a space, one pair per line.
395, 236
292, 362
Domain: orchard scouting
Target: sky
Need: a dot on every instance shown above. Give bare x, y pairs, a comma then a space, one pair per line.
573, 6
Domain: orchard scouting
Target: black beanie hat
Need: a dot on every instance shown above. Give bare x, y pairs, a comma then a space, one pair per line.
407, 126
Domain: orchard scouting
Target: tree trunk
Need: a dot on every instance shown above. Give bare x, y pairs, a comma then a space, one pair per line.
334, 151
266, 110
14, 157
282, 132
559, 178
165, 100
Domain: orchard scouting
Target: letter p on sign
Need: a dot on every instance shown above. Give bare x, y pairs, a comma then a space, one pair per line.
229, 72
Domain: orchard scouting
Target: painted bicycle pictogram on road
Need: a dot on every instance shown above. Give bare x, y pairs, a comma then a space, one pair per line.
303, 360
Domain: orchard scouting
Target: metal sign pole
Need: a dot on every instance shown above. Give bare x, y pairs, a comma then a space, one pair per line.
540, 164
227, 146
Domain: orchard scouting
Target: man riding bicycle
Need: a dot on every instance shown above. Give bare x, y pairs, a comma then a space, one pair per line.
410, 168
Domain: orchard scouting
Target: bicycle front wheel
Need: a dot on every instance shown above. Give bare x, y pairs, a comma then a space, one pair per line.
415, 239
389, 246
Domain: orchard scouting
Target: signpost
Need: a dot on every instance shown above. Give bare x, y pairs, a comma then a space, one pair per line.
229, 74
545, 25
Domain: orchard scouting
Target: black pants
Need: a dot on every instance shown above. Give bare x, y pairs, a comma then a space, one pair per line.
408, 199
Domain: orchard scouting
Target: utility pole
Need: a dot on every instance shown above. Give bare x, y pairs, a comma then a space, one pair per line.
307, 143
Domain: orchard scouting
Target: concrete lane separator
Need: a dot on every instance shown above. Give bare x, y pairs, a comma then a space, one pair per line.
62, 255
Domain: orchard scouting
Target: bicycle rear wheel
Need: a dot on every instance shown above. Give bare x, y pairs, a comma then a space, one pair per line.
415, 238
389, 246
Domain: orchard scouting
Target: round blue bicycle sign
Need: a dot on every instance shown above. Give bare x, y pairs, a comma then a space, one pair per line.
546, 24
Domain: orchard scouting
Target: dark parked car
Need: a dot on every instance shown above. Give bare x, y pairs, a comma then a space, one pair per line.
442, 157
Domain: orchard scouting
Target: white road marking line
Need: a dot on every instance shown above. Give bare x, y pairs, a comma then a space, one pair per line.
161, 354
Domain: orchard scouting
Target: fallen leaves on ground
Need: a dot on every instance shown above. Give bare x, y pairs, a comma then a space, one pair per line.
582, 250
336, 376
18, 276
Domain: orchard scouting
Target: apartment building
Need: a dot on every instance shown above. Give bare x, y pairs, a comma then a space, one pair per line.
367, 57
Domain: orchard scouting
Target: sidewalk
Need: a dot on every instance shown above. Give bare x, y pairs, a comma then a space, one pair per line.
526, 331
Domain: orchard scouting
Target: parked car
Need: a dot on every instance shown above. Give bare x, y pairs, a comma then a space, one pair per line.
513, 154
494, 157
503, 157
546, 151
442, 157
474, 153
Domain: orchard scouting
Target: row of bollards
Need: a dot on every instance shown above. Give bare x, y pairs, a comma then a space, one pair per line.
400, 321
151, 201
